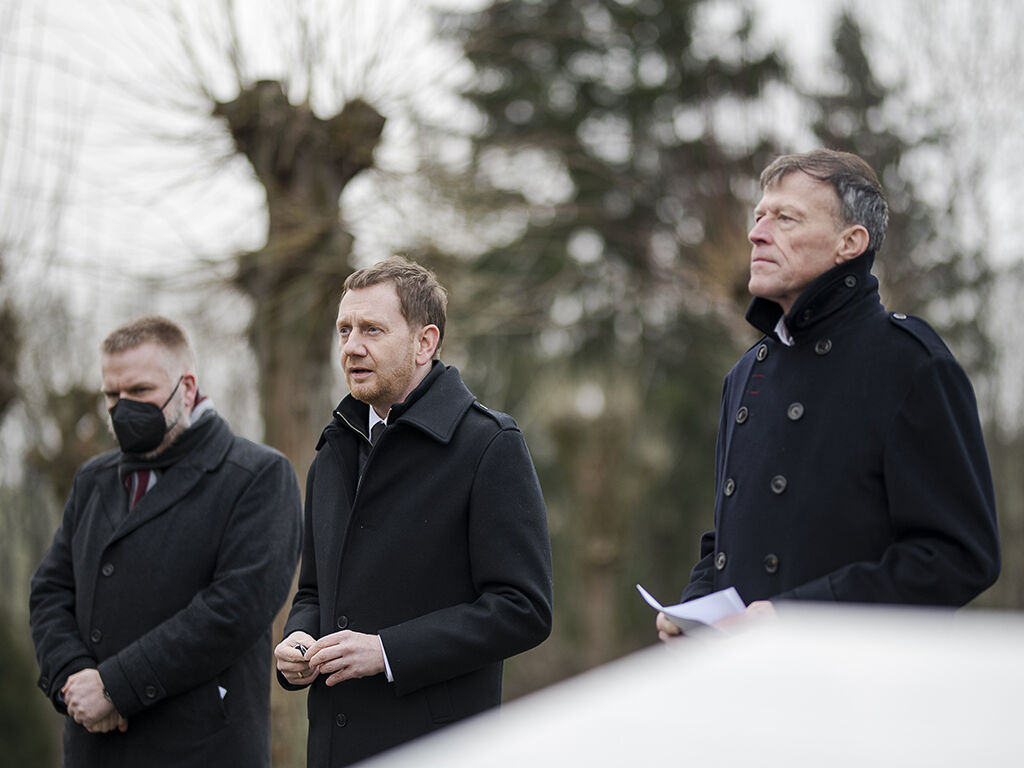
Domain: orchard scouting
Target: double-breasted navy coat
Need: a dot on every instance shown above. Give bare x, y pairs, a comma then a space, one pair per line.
172, 602
440, 547
851, 465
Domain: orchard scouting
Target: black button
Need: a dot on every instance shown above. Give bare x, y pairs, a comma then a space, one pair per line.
849, 281
730, 487
762, 352
44, 683
795, 411
806, 315
823, 346
150, 691
778, 484
108, 569
771, 563
341, 719
741, 414
720, 561
95, 635
342, 622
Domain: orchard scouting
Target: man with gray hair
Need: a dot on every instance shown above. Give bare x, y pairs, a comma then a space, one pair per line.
850, 463
151, 611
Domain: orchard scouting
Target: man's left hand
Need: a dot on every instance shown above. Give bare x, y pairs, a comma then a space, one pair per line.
83, 695
346, 655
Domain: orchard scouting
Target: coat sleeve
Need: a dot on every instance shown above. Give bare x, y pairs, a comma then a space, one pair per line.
945, 548
60, 649
702, 577
304, 615
254, 571
510, 558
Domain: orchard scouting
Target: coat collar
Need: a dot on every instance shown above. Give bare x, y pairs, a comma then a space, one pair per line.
821, 303
435, 407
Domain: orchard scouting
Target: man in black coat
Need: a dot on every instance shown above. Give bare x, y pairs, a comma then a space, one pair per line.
850, 463
151, 611
426, 558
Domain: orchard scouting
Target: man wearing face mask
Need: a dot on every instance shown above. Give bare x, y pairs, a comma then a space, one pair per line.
151, 611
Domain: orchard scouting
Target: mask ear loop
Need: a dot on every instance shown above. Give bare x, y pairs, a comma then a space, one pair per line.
171, 426
172, 392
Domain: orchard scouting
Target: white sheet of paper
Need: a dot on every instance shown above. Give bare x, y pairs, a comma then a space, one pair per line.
704, 611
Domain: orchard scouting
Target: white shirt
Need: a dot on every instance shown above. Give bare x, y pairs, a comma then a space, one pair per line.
780, 330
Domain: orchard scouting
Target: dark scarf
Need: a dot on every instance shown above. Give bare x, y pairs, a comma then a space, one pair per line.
187, 442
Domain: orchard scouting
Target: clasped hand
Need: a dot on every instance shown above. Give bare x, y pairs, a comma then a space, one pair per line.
340, 656
83, 696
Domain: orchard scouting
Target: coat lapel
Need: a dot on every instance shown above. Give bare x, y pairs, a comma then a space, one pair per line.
177, 481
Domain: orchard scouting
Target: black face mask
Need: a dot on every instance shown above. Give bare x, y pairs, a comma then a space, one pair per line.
140, 427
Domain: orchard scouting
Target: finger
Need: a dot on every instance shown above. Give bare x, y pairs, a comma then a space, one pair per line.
325, 655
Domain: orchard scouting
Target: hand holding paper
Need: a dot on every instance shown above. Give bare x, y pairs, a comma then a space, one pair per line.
704, 611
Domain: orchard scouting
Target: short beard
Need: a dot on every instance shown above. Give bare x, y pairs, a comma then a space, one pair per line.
180, 419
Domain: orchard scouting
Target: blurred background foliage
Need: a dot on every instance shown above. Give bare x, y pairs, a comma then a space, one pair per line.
580, 173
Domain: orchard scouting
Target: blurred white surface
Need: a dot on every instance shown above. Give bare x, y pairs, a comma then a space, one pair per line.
819, 686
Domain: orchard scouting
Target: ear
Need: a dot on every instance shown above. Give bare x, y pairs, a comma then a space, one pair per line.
853, 242
191, 388
426, 344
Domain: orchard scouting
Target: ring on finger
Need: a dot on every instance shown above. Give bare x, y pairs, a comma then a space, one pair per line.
300, 674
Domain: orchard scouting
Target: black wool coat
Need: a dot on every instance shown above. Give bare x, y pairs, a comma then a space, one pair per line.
441, 548
850, 466
172, 602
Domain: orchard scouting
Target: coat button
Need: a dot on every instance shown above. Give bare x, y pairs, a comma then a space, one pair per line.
44, 683
730, 487
795, 411
771, 563
741, 414
762, 352
96, 635
108, 569
899, 316
823, 346
341, 719
342, 622
806, 315
720, 561
150, 691
778, 484
849, 281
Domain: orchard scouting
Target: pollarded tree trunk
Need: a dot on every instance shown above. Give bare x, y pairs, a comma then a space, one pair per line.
303, 163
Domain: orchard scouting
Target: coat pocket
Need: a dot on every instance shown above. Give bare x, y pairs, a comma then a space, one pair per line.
439, 702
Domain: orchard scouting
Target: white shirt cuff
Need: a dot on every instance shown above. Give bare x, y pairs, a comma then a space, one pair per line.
387, 667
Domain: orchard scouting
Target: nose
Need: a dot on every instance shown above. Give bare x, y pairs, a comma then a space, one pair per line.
352, 344
760, 233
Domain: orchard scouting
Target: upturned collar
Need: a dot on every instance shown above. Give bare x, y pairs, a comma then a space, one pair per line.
822, 301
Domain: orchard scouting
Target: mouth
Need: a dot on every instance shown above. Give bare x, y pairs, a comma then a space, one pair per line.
359, 373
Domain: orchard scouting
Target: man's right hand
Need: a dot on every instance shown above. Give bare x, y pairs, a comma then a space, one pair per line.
290, 661
667, 631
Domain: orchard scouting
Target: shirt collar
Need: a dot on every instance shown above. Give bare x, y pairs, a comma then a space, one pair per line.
374, 418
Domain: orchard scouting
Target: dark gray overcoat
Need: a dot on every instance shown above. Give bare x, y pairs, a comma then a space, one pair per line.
850, 466
172, 602
441, 548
